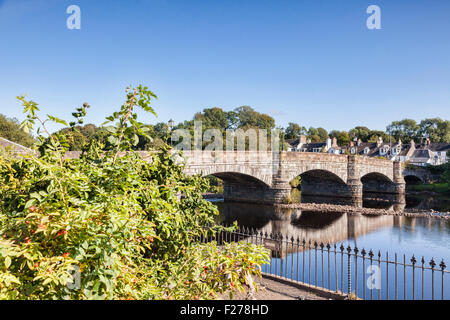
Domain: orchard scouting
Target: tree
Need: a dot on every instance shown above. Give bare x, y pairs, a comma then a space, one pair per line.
360, 132
294, 130
436, 129
323, 134
375, 134
248, 118
406, 130
10, 129
215, 118
342, 137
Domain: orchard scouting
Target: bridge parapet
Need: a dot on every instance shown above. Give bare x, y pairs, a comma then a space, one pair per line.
264, 177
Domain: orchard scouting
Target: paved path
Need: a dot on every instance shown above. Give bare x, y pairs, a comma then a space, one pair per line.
274, 290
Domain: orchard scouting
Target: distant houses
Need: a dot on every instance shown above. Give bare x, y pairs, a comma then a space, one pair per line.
422, 154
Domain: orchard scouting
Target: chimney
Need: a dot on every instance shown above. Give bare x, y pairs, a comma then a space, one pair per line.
379, 141
359, 142
334, 142
411, 150
428, 142
328, 143
400, 141
302, 139
352, 144
308, 141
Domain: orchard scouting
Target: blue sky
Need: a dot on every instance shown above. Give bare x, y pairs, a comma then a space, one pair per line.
313, 62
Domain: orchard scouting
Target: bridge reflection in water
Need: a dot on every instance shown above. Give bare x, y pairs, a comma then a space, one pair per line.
314, 226
393, 238
321, 226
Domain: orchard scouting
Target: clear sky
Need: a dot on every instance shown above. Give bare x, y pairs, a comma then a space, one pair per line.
313, 62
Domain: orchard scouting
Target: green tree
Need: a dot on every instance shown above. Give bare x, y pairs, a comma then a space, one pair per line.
249, 118
323, 134
360, 132
213, 118
406, 130
342, 137
10, 129
436, 129
294, 130
375, 134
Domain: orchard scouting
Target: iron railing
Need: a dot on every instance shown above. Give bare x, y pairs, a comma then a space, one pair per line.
345, 269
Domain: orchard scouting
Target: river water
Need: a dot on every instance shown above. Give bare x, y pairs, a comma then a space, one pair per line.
390, 235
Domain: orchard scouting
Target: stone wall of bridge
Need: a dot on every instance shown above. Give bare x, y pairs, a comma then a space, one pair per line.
264, 177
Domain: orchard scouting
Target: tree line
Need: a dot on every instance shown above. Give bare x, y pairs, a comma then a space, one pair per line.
244, 117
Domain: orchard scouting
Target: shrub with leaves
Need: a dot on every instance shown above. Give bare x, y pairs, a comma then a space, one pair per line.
110, 225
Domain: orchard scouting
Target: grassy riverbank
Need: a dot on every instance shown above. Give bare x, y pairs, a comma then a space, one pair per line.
433, 187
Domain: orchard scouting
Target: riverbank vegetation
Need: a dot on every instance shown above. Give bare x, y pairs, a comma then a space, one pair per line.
432, 187
110, 225
441, 186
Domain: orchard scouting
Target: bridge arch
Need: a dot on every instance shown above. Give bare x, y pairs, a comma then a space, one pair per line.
238, 178
336, 172
316, 174
413, 179
320, 182
377, 182
236, 172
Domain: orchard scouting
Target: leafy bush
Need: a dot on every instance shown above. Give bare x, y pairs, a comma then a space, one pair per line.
110, 220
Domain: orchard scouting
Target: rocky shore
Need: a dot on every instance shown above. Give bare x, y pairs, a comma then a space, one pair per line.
331, 208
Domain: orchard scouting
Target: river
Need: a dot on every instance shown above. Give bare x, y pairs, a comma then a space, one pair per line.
422, 237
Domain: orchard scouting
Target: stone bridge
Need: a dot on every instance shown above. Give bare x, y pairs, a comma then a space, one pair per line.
264, 177
419, 175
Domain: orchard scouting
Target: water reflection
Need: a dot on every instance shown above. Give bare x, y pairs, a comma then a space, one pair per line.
387, 234
427, 203
314, 226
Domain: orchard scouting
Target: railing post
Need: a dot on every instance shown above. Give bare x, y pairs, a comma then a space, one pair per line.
443, 266
363, 253
432, 264
349, 274
423, 271
315, 263
356, 250
328, 265
342, 267
371, 262
413, 261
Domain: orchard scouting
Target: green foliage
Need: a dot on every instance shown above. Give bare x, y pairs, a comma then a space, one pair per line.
445, 177
296, 182
10, 129
436, 129
342, 137
215, 185
294, 130
114, 217
434, 187
406, 130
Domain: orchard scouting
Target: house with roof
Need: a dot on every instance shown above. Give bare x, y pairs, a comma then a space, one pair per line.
417, 154
422, 154
302, 144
